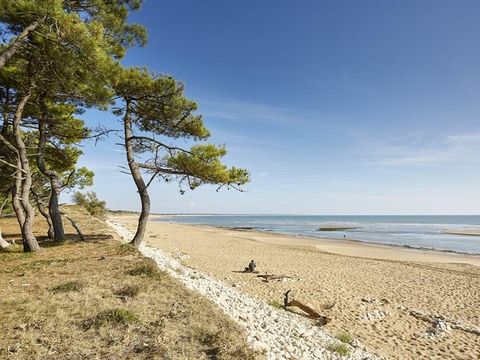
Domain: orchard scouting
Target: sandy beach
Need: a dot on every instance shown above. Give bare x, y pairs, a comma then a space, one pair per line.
388, 298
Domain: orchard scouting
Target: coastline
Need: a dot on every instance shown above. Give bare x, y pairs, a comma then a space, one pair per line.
390, 299
351, 247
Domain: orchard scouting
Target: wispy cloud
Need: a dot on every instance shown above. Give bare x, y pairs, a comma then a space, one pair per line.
460, 149
240, 111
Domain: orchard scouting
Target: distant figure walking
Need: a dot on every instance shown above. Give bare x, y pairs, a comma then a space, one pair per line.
251, 267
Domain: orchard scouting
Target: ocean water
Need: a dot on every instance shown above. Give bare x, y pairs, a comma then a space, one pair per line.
424, 231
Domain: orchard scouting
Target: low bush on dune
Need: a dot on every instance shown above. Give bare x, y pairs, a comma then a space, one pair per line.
340, 349
112, 317
345, 337
129, 291
148, 269
276, 304
68, 286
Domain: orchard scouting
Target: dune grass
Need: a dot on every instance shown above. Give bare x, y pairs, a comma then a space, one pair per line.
67, 287
344, 337
276, 304
341, 349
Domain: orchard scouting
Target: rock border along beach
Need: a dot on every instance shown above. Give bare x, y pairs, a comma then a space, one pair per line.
277, 333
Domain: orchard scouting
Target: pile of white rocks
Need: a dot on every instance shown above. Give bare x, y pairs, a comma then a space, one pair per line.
277, 333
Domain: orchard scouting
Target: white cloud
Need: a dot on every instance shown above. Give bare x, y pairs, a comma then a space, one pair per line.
461, 149
240, 111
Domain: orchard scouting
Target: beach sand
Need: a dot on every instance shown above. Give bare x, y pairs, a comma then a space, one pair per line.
376, 289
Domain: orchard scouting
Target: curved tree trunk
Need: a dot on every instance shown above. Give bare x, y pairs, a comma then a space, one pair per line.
54, 211
16, 188
55, 184
29, 241
15, 45
16, 198
42, 211
137, 178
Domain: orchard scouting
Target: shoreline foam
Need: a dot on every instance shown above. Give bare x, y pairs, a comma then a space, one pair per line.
320, 242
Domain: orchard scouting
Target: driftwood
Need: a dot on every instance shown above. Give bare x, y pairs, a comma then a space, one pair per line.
74, 224
311, 312
268, 277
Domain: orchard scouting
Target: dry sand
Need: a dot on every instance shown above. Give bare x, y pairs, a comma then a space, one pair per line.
364, 281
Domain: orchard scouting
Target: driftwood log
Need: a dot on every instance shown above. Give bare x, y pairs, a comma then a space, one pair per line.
268, 277
313, 314
74, 224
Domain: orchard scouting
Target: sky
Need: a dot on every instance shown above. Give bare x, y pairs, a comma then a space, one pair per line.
335, 107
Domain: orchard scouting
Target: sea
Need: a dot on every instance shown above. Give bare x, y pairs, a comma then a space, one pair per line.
415, 231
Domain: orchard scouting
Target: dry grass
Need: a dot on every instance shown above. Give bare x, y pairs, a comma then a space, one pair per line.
67, 287
68, 302
129, 291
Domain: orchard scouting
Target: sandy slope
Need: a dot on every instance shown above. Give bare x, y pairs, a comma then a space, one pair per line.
374, 288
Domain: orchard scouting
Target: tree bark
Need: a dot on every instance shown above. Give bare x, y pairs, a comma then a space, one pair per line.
54, 212
29, 241
15, 45
16, 190
50, 232
137, 178
55, 185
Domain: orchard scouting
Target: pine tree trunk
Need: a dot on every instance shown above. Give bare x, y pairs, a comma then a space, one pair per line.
55, 214
16, 204
29, 241
137, 178
42, 211
55, 185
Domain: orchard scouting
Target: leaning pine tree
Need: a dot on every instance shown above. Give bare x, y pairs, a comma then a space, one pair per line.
155, 112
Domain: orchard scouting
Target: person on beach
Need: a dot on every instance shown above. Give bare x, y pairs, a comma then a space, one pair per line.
251, 267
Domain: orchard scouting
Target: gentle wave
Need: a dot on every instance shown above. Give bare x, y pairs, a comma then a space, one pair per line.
423, 232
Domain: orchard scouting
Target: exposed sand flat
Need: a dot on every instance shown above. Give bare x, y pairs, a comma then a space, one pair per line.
470, 232
375, 288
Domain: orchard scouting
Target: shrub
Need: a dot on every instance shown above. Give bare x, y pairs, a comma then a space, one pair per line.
91, 203
275, 304
341, 349
69, 286
129, 291
147, 269
345, 337
114, 317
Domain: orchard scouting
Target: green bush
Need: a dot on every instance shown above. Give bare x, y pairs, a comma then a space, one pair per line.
345, 337
69, 286
113, 317
340, 349
90, 202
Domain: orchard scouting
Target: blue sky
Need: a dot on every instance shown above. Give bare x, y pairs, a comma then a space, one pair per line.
338, 107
